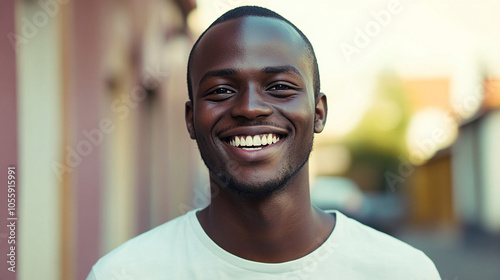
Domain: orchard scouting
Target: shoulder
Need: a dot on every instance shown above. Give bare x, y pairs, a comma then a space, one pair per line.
378, 250
360, 233
143, 250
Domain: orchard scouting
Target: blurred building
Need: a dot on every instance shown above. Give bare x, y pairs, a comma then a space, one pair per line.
475, 162
105, 154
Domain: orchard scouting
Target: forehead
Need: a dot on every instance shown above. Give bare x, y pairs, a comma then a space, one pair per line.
250, 43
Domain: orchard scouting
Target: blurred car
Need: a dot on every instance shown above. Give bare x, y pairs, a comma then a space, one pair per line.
384, 211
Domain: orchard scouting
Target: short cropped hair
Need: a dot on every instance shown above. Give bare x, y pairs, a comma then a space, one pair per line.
255, 11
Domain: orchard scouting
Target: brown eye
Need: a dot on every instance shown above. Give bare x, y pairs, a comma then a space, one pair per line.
219, 94
282, 90
280, 87
222, 91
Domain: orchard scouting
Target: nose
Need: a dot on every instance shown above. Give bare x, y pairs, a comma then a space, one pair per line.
251, 104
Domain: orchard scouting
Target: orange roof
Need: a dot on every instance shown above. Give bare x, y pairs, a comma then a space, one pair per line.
429, 92
491, 93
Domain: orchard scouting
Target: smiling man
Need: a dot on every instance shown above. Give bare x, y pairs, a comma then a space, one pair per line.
254, 106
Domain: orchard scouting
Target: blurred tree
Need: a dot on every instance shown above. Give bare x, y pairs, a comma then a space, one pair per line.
378, 143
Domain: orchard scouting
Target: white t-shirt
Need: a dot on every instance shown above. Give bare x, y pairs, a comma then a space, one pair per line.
180, 249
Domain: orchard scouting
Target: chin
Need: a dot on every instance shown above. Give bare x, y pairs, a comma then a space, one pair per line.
257, 190
253, 186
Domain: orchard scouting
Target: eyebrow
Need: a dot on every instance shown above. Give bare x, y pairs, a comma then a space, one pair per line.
217, 73
267, 70
281, 69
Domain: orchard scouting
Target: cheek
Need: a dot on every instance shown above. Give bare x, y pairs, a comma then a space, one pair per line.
205, 118
301, 113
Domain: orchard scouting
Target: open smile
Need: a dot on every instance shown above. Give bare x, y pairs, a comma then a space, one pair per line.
253, 142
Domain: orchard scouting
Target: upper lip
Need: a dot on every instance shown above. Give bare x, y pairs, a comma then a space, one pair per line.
253, 130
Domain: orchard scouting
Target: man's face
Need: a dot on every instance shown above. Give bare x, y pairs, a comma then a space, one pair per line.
253, 112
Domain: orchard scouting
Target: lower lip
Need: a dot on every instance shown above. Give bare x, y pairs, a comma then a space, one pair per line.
255, 155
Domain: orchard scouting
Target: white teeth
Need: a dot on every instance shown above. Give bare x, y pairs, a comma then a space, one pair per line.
254, 143
256, 140
252, 149
249, 141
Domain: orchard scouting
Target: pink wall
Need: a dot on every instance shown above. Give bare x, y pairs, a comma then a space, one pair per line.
86, 87
8, 126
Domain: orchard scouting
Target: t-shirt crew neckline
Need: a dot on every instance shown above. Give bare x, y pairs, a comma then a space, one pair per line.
312, 258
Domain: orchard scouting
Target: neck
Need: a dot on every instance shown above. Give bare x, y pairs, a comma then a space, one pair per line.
281, 227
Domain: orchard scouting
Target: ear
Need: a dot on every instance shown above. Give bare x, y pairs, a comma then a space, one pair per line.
321, 112
189, 119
